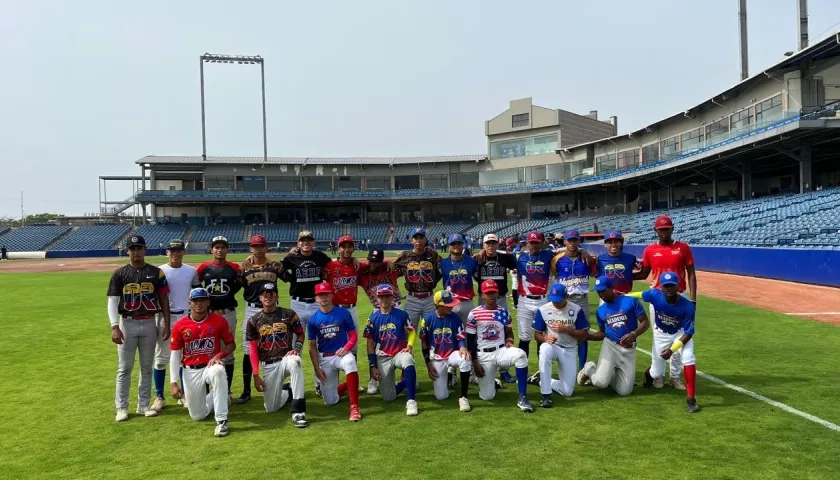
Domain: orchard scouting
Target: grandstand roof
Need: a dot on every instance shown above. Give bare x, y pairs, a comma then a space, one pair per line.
196, 159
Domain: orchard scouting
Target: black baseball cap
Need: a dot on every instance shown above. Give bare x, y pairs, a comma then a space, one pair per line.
268, 287
136, 241
175, 244
376, 255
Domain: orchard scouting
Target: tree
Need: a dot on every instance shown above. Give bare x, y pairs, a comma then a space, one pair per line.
39, 218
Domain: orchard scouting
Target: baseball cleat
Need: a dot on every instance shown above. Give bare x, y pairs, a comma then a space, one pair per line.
411, 408
181, 402
499, 385
546, 402
464, 404
534, 379
507, 377
648, 380
692, 405
318, 389
146, 411
243, 399
230, 400
221, 428
677, 384
159, 403
299, 419
122, 414
372, 387
524, 405
355, 414
658, 383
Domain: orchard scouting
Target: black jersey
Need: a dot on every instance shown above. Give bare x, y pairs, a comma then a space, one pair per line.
138, 289
222, 281
254, 277
304, 272
495, 268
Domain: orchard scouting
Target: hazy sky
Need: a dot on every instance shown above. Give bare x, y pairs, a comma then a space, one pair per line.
88, 87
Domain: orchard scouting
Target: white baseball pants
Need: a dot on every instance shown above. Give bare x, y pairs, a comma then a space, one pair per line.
274, 374
387, 367
616, 368
503, 357
525, 315
441, 366
676, 359
663, 340
304, 310
139, 336
162, 350
331, 366
231, 320
566, 357
199, 402
249, 312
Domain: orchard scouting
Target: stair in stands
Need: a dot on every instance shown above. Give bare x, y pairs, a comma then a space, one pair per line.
122, 241
189, 233
247, 233
59, 238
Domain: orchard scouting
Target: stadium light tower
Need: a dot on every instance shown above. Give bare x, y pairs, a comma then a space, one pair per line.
234, 59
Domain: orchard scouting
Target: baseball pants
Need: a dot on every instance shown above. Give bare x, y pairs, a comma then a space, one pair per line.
354, 312
616, 368
387, 367
274, 374
525, 315
454, 360
501, 301
676, 358
199, 402
231, 320
331, 365
249, 312
304, 311
581, 301
162, 350
139, 336
566, 357
663, 340
463, 309
418, 308
503, 357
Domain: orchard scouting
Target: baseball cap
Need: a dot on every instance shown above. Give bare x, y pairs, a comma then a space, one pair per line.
491, 237
323, 287
510, 241
557, 293
219, 239
175, 244
306, 234
136, 241
418, 231
376, 255
489, 286
522, 240
346, 239
602, 283
669, 278
663, 221
614, 235
535, 237
571, 234
456, 238
198, 293
268, 287
384, 290
444, 298
258, 240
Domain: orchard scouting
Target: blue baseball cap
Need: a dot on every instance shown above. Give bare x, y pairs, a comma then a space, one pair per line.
418, 231
444, 298
613, 235
557, 293
199, 293
669, 278
602, 283
385, 290
456, 238
571, 234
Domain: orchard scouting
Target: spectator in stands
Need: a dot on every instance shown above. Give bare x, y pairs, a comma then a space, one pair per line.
4, 253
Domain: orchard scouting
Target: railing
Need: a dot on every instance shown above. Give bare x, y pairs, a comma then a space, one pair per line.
831, 200
778, 236
753, 221
824, 111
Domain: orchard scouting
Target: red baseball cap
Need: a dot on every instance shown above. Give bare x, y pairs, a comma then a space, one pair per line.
535, 237
663, 221
258, 240
511, 241
323, 287
346, 239
489, 286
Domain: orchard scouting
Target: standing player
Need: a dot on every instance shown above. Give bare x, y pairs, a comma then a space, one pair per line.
515, 247
458, 271
222, 280
490, 341
621, 320
532, 269
559, 326
343, 275
275, 340
670, 256
181, 279
332, 336
390, 340
421, 267
617, 264
136, 293
197, 345
378, 273
257, 271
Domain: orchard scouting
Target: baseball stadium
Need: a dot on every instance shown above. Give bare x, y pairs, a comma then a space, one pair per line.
748, 178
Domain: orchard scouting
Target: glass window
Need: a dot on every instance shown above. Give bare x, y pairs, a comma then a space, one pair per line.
524, 147
501, 177
407, 182
348, 183
717, 129
317, 183
741, 119
573, 170
691, 140
218, 182
769, 110
283, 184
462, 180
520, 120
435, 181
378, 183
669, 148
605, 163
628, 159
650, 153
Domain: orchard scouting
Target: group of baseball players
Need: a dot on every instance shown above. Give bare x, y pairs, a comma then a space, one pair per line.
186, 317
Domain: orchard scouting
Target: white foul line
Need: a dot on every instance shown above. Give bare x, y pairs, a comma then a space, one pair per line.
814, 313
779, 405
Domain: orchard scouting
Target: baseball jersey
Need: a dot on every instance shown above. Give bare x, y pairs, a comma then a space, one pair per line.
137, 289
200, 341
345, 282
421, 270
533, 270
255, 276
369, 281
458, 276
548, 318
389, 331
330, 329
668, 317
619, 269
495, 268
444, 335
274, 332
222, 282
304, 272
668, 258
180, 280
488, 326
619, 317
572, 272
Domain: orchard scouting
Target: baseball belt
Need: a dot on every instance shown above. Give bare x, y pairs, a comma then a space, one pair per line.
420, 295
176, 312
138, 317
348, 305
223, 311
304, 300
328, 354
196, 367
489, 350
273, 360
535, 297
254, 305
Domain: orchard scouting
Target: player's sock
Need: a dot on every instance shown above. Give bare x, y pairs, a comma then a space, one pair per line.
181, 377
399, 387
539, 343
522, 380
411, 381
583, 351
690, 379
353, 387
246, 375
159, 376
525, 345
465, 383
229, 373
342, 389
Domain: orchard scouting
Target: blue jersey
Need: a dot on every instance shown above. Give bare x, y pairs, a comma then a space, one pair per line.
533, 270
619, 269
619, 317
670, 318
444, 335
330, 329
573, 273
458, 276
389, 331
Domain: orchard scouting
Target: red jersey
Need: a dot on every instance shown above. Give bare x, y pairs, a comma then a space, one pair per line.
664, 258
369, 281
200, 340
345, 282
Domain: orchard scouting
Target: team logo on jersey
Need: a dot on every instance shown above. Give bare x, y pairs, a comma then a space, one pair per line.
617, 321
571, 313
614, 270
200, 346
535, 267
492, 333
308, 271
387, 332
218, 287
420, 271
187, 334
139, 295
666, 320
328, 332
459, 276
442, 335
340, 283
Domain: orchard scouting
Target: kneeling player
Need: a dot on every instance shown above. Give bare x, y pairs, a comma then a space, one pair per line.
442, 331
390, 339
275, 338
196, 343
332, 336
490, 350
559, 325
621, 319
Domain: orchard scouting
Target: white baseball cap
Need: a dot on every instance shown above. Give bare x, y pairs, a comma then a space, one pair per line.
491, 237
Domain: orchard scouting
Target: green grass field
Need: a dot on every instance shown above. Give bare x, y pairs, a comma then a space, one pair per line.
58, 406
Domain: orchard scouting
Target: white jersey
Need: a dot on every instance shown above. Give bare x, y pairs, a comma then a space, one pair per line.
181, 280
549, 317
488, 326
